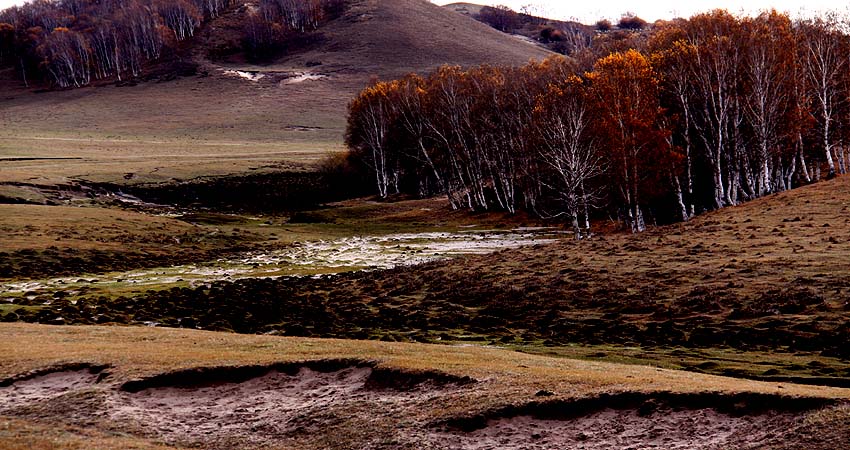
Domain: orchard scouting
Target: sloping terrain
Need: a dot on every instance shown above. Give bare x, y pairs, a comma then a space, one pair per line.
234, 116
564, 37
469, 9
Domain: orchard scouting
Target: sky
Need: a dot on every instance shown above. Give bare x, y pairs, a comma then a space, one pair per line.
7, 3
593, 10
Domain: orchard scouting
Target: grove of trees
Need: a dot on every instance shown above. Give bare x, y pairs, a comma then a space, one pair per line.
657, 125
69, 43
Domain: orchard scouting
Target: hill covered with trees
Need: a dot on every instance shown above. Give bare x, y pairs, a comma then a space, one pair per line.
71, 42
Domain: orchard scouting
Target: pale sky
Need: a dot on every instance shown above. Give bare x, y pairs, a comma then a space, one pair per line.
7, 3
592, 10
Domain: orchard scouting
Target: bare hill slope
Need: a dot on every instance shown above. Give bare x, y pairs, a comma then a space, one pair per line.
235, 116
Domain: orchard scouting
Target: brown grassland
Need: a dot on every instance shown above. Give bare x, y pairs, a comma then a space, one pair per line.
735, 322
767, 277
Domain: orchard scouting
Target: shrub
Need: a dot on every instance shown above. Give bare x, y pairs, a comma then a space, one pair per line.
630, 21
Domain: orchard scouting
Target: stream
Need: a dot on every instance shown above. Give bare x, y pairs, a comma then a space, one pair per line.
300, 259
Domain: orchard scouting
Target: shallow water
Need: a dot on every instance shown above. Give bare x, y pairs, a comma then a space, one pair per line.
304, 259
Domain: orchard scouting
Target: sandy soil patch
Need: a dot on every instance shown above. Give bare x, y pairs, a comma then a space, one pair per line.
251, 406
304, 76
46, 386
250, 76
270, 407
665, 428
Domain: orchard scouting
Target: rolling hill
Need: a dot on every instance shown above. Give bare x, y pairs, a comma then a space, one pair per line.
233, 116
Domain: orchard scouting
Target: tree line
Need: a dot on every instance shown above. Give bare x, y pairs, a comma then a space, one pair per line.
274, 22
660, 125
69, 43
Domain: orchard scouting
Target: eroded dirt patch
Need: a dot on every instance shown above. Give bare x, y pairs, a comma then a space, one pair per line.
257, 406
634, 421
48, 384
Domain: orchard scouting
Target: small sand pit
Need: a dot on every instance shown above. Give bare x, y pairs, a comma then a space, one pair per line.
245, 75
227, 406
301, 77
664, 424
47, 384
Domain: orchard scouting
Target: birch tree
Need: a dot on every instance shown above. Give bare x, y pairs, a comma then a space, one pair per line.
370, 122
570, 150
713, 72
625, 90
181, 16
823, 60
768, 66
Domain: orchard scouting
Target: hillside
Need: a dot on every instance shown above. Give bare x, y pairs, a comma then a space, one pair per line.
564, 37
185, 262
220, 121
470, 9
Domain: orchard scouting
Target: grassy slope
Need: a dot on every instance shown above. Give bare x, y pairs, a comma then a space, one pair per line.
40, 240
137, 352
220, 124
17, 434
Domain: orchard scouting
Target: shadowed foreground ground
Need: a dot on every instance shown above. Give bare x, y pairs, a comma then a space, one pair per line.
219, 390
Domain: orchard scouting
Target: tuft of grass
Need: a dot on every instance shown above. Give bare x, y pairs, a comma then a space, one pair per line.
18, 434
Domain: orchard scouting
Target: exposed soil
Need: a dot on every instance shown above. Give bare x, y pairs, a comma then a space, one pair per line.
620, 429
46, 385
634, 421
228, 407
273, 407
283, 404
